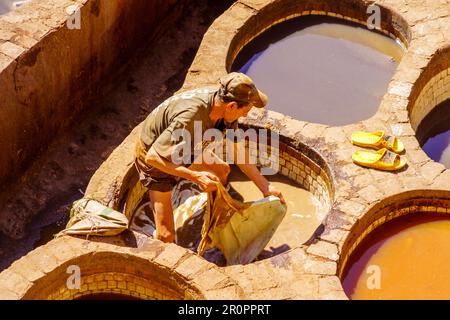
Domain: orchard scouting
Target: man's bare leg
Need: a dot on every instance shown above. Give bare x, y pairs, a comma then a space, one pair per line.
162, 206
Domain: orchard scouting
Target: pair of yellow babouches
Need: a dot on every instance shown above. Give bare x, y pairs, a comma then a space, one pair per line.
388, 148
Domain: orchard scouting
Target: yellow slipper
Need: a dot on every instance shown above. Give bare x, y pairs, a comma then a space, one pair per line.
382, 159
377, 140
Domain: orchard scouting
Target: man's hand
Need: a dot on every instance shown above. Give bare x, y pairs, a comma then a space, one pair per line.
206, 180
272, 191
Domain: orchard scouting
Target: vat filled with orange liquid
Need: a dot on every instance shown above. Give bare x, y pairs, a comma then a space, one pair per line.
406, 258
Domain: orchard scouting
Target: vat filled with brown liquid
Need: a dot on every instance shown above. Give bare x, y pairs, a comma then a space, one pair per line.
321, 69
107, 296
406, 258
304, 211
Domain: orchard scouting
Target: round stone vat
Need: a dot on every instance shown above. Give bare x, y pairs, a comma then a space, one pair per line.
307, 64
296, 169
429, 109
399, 249
304, 210
110, 275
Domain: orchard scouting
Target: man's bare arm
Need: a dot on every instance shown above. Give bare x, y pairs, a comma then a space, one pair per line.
253, 173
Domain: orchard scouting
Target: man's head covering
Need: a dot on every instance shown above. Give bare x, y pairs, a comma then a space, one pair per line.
239, 87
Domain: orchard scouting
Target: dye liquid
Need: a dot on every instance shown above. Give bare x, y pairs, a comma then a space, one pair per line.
434, 134
303, 215
320, 69
406, 258
438, 148
107, 296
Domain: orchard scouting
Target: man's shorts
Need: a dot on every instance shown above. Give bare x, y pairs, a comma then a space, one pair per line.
154, 179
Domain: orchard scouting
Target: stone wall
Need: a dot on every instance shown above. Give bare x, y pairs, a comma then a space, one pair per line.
50, 73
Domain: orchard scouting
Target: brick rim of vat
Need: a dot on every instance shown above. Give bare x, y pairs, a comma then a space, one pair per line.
294, 149
314, 175
236, 48
292, 145
407, 203
431, 88
258, 18
42, 273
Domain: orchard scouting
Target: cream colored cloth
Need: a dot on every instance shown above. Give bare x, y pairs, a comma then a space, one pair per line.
239, 230
205, 221
89, 217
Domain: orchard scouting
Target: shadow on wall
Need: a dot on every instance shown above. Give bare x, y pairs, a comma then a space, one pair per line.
40, 95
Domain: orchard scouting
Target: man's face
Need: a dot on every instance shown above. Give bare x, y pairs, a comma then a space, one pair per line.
233, 112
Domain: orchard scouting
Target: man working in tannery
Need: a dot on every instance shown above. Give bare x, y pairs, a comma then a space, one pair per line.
212, 107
